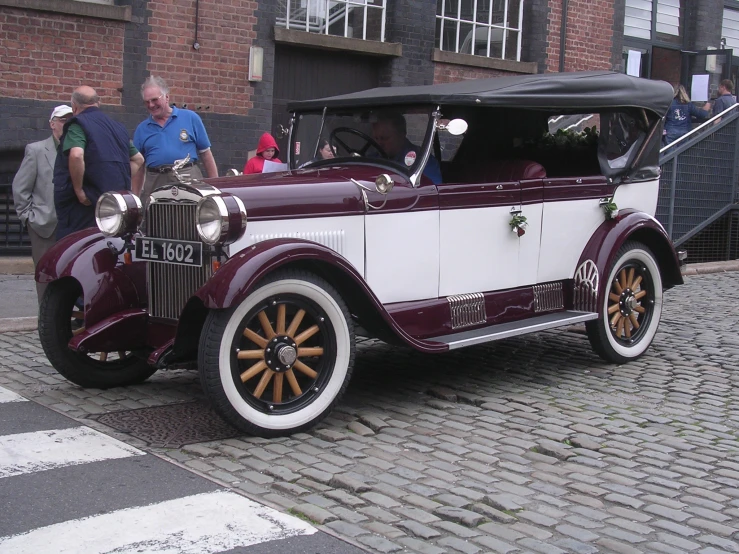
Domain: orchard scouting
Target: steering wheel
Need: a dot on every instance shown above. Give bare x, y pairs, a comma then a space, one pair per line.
368, 141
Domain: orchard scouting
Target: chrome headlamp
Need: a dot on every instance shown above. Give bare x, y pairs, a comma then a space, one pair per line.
118, 213
220, 219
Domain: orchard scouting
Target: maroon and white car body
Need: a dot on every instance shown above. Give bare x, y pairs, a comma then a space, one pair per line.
264, 280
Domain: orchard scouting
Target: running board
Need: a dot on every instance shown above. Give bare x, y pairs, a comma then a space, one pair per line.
506, 330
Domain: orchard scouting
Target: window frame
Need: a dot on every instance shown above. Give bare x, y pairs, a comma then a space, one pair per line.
458, 21
656, 37
315, 21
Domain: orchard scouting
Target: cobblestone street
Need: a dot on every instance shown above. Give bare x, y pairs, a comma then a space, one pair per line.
531, 444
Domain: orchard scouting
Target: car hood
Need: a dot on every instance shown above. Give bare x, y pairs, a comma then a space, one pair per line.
302, 192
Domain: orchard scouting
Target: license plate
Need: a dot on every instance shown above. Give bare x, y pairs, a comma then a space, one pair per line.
182, 252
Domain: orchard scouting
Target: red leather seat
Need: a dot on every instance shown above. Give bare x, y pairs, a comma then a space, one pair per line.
497, 171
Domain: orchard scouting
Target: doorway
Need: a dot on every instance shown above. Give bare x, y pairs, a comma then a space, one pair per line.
666, 64
304, 73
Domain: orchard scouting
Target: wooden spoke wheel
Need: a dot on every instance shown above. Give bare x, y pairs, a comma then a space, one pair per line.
631, 308
279, 361
60, 319
282, 359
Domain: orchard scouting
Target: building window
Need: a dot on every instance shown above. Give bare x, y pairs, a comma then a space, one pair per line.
653, 20
490, 28
730, 28
362, 19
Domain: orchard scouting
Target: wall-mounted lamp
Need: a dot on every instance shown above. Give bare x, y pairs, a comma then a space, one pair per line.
256, 63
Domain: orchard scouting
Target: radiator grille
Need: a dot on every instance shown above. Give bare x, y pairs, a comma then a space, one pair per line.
171, 286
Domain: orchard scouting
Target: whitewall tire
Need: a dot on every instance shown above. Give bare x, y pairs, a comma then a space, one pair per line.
631, 307
278, 362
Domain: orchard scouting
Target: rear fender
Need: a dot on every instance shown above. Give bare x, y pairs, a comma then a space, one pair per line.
236, 279
108, 286
637, 226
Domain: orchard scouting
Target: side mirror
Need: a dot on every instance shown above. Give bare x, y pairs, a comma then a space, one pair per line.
456, 127
233, 172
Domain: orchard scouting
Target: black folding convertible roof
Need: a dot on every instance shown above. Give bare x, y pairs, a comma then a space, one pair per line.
570, 91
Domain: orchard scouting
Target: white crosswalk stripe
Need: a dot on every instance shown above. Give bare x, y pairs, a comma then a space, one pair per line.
10, 396
199, 524
44, 450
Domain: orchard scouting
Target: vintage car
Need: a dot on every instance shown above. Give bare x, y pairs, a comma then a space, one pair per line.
505, 206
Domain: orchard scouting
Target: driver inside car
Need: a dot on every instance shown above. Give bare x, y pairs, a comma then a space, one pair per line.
389, 131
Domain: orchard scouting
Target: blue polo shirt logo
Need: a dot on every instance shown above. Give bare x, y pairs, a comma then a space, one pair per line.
184, 136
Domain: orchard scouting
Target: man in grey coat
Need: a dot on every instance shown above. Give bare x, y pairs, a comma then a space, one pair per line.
33, 190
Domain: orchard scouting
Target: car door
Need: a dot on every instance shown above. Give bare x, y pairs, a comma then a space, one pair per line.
402, 242
571, 214
478, 250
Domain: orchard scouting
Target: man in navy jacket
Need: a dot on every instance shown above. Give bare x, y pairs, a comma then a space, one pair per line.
95, 156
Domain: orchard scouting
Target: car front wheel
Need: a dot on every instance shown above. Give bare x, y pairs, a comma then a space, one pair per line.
279, 361
59, 320
631, 308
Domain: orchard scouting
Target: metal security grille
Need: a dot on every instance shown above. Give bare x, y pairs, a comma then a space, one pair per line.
171, 286
13, 237
718, 241
698, 188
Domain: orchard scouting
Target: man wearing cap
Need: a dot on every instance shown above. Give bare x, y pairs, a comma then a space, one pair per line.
95, 156
33, 190
167, 135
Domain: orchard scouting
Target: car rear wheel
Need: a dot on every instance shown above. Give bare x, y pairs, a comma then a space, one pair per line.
59, 320
631, 308
278, 362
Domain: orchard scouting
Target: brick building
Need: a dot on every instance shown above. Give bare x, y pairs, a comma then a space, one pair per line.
313, 48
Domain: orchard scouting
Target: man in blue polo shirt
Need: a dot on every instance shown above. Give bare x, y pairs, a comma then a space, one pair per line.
167, 135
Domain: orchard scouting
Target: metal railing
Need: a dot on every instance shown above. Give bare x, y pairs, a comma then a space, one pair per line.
698, 186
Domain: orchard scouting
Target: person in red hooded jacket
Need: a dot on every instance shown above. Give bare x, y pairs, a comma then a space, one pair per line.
266, 150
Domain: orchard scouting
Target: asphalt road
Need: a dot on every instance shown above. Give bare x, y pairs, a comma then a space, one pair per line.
66, 488
530, 444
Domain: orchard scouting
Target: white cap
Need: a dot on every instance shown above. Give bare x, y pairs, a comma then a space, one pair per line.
60, 111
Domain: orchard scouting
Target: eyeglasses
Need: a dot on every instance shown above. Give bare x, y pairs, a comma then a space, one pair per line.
153, 100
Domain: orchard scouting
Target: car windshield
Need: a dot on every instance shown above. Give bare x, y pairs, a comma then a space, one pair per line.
397, 137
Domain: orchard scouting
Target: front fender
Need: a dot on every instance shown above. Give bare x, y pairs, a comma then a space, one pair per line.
108, 286
638, 226
236, 278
